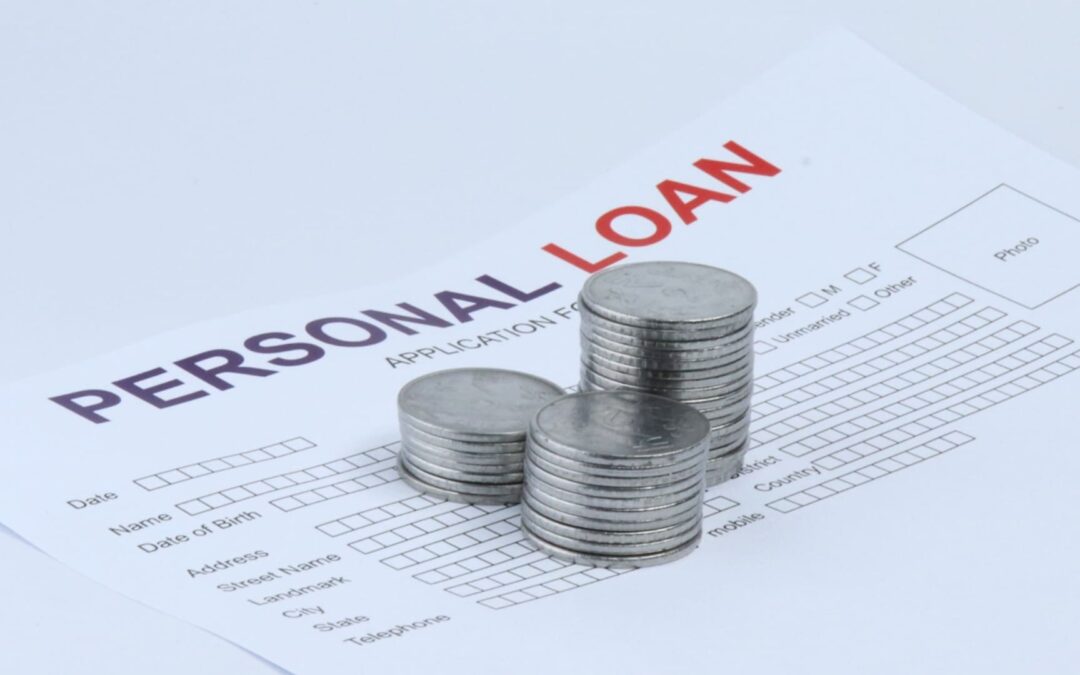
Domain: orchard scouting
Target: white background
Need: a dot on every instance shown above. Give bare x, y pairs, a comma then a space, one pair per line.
247, 153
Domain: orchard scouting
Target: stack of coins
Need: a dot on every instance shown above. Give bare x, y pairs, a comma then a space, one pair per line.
463, 432
615, 479
679, 330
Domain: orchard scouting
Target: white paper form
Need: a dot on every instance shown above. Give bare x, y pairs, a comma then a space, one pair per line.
907, 503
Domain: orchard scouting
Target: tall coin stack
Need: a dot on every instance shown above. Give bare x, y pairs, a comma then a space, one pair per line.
680, 330
615, 479
463, 432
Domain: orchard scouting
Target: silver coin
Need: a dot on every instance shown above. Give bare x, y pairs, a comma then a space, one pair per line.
510, 466
734, 449
657, 370
591, 464
458, 473
724, 469
585, 462
619, 425
619, 479
451, 463
586, 386
661, 293
685, 351
729, 439
665, 342
687, 390
671, 343
581, 540
475, 404
724, 417
721, 423
737, 399
539, 485
617, 468
511, 497
637, 514
412, 433
739, 377
465, 487
691, 396
591, 322
724, 433
663, 362
726, 450
629, 482
684, 370
646, 535
724, 402
479, 456
723, 437
590, 520
645, 548
738, 374
596, 499
730, 444
614, 561
733, 426
618, 337
635, 491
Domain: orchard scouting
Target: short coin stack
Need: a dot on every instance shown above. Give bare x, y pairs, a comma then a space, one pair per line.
615, 479
680, 330
463, 432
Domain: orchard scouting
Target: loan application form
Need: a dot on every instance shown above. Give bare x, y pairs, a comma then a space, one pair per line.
909, 499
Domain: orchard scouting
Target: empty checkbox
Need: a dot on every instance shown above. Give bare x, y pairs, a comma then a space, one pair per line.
762, 347
812, 299
860, 275
863, 302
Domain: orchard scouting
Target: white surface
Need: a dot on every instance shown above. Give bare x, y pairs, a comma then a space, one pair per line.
467, 117
939, 367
